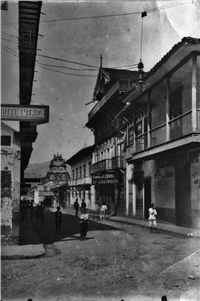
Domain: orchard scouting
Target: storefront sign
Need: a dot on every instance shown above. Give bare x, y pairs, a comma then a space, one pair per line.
36, 114
102, 179
178, 159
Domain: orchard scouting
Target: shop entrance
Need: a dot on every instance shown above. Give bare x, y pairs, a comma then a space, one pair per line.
105, 193
183, 195
147, 196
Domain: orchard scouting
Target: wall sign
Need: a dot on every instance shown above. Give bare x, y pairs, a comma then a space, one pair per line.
178, 159
106, 178
36, 114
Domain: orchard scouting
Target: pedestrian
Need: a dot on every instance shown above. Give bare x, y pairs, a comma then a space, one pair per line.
28, 214
58, 219
23, 209
152, 218
103, 210
76, 207
84, 219
32, 208
42, 211
37, 216
83, 205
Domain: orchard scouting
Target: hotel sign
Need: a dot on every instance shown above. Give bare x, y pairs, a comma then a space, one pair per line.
106, 178
34, 114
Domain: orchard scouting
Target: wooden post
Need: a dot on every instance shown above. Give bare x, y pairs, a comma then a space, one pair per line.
167, 109
194, 94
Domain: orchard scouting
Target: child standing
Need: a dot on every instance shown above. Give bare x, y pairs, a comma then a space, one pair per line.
58, 219
103, 211
152, 218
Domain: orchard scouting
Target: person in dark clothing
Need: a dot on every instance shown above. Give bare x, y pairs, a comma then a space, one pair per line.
23, 209
84, 218
32, 201
83, 205
58, 219
76, 206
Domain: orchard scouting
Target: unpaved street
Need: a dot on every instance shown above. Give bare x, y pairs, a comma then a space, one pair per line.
117, 261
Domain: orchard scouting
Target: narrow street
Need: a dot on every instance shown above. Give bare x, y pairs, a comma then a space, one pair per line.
117, 261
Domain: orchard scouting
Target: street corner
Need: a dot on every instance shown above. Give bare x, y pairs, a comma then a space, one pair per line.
22, 252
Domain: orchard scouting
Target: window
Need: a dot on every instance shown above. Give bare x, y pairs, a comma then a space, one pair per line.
84, 171
72, 174
5, 140
76, 173
80, 172
130, 136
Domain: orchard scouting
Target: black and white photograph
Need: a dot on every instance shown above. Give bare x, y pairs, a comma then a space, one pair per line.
100, 150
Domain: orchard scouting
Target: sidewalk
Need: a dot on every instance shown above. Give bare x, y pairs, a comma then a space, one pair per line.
31, 245
165, 227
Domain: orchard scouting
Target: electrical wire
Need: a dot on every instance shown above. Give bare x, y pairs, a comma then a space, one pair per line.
82, 75
64, 67
115, 15
68, 61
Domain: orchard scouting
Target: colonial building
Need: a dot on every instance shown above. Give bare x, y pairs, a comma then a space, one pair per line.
108, 164
163, 138
80, 185
20, 119
53, 188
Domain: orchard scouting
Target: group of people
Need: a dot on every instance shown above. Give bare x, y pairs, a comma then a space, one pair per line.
29, 213
84, 217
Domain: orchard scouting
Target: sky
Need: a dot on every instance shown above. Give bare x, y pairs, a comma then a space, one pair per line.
73, 36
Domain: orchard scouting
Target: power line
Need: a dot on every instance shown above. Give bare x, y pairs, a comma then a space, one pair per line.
115, 15
68, 61
64, 67
82, 75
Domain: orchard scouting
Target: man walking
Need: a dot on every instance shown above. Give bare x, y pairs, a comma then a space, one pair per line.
76, 207
58, 219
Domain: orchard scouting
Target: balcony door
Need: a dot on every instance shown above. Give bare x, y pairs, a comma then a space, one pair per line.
175, 112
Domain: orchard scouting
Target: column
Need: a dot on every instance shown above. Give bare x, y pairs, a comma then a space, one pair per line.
194, 94
149, 121
167, 109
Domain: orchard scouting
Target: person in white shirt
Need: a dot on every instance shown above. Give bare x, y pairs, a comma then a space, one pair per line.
152, 218
84, 218
103, 210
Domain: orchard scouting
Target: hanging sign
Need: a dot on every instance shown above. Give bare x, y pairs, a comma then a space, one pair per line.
35, 114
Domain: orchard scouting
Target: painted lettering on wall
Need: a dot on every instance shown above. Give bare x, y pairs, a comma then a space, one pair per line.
178, 159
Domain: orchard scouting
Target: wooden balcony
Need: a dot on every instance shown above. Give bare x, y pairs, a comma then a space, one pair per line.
107, 164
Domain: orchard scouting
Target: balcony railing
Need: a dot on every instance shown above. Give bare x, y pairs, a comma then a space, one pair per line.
179, 127
107, 164
83, 181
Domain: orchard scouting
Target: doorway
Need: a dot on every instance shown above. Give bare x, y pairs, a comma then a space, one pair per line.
147, 196
183, 195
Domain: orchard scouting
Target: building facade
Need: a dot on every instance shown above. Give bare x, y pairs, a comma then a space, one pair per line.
20, 119
53, 189
80, 185
162, 144
108, 164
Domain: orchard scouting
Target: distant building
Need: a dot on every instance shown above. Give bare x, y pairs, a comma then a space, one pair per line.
49, 188
80, 184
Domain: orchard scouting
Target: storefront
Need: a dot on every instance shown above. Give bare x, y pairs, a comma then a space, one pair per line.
109, 189
171, 181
